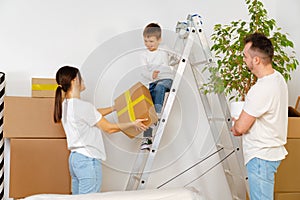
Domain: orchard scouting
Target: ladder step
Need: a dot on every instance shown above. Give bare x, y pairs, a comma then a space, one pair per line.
215, 119
136, 177
221, 146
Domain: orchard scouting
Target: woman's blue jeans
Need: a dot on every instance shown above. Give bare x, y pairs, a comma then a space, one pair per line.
261, 178
86, 173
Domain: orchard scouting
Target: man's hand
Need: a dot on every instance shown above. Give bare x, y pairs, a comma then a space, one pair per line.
235, 133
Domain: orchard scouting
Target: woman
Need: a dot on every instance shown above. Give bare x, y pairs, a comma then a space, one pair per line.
82, 123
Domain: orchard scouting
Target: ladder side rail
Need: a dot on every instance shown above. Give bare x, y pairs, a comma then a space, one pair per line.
136, 171
167, 110
224, 107
236, 144
203, 39
216, 136
209, 60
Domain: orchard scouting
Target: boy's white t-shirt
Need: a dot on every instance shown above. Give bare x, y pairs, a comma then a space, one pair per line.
156, 60
79, 120
267, 100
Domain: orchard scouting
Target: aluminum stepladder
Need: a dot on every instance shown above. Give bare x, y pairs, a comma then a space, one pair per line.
143, 163
234, 169
142, 167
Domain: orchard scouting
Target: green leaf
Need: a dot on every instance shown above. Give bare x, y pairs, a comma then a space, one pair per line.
230, 74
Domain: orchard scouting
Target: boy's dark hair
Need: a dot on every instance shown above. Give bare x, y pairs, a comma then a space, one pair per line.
152, 29
261, 44
64, 76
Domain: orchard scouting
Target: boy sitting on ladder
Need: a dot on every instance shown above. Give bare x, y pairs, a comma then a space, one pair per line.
157, 72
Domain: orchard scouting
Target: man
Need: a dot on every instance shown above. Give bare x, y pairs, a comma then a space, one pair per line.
263, 121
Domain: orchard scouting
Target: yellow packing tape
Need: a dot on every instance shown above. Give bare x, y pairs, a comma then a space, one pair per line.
44, 86
131, 104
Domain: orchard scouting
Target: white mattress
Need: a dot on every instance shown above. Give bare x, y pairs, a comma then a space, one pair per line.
155, 194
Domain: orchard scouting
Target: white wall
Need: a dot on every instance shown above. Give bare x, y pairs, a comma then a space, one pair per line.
37, 37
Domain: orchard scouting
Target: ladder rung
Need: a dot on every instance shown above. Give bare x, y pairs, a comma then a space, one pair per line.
227, 171
215, 119
236, 198
136, 177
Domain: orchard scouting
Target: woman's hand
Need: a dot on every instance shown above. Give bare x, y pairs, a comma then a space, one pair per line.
138, 124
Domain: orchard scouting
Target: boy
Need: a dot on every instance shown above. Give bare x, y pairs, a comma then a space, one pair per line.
157, 72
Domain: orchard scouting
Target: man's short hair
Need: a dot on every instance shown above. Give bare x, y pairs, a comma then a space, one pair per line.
261, 44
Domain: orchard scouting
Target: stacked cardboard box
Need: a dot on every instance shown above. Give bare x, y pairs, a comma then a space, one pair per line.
287, 178
26, 117
38, 148
43, 87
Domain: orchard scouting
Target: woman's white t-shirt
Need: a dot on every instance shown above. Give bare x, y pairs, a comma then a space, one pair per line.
79, 120
267, 100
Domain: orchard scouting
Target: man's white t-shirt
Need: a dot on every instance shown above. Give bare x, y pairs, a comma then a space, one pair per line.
267, 100
79, 120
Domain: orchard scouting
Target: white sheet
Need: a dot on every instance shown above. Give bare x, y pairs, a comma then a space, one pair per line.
155, 194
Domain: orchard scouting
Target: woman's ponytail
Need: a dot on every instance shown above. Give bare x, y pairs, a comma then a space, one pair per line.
58, 104
64, 77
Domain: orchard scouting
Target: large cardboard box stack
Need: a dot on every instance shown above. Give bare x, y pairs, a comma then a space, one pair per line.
26, 117
43, 87
38, 166
287, 196
287, 178
38, 148
135, 103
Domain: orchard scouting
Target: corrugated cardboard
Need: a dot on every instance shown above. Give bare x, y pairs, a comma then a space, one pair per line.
287, 196
26, 117
294, 127
43, 87
39, 166
287, 178
135, 103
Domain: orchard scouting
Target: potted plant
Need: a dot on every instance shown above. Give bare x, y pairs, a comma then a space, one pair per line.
230, 74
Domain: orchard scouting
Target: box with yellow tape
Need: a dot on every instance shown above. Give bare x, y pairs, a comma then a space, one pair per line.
135, 103
43, 87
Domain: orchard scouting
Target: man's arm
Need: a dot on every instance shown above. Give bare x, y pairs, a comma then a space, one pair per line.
243, 124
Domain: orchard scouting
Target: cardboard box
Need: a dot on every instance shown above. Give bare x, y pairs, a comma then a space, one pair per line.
135, 103
26, 117
294, 127
287, 178
39, 166
287, 196
43, 87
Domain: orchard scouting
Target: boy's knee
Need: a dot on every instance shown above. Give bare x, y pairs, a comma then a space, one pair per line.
159, 88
